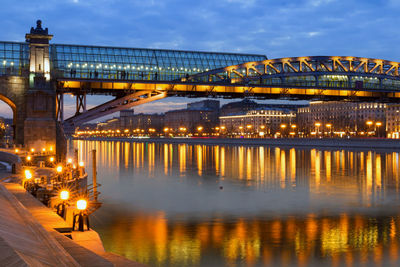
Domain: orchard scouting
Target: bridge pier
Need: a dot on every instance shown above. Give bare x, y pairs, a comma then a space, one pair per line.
40, 125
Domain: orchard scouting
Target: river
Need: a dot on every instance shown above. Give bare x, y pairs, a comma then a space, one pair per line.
232, 205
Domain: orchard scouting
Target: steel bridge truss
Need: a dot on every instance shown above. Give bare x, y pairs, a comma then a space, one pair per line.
323, 78
121, 103
312, 72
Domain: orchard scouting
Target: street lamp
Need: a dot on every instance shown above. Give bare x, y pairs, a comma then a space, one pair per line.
329, 126
199, 129
64, 196
369, 123
317, 125
283, 127
28, 179
82, 216
378, 124
28, 160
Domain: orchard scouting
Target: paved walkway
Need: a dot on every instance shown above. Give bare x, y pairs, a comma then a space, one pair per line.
28, 235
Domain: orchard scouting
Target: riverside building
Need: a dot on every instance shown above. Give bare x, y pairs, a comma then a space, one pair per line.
260, 123
199, 118
342, 118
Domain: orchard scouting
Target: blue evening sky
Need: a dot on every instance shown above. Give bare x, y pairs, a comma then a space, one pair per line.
282, 28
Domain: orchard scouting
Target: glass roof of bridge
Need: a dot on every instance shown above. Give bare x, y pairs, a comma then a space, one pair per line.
134, 63
13, 57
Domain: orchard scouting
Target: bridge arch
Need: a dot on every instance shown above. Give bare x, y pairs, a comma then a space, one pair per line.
13, 93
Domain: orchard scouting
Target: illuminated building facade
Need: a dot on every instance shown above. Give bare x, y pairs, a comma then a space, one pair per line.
329, 118
393, 121
263, 122
199, 117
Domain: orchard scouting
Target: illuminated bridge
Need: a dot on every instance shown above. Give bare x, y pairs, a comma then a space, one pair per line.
136, 76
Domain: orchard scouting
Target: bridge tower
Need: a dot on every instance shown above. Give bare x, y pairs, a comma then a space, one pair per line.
40, 127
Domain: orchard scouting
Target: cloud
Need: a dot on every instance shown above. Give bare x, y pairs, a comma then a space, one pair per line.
311, 34
317, 3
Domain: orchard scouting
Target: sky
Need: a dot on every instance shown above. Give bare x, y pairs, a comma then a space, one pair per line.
283, 28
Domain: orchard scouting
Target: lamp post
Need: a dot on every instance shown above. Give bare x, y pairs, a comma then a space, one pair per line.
241, 130
293, 133
199, 130
249, 127
369, 123
82, 216
64, 196
329, 126
317, 125
28, 179
283, 127
262, 132
378, 125
28, 160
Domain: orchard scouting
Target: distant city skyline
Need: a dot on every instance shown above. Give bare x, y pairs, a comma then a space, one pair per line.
274, 28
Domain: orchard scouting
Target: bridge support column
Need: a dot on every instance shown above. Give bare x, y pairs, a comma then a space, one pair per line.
80, 103
40, 127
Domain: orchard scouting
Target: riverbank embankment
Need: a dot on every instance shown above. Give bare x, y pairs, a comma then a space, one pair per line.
352, 143
31, 234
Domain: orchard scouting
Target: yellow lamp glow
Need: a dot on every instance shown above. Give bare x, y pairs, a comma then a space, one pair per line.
59, 169
81, 204
28, 158
43, 149
51, 159
16, 150
69, 160
64, 195
81, 164
32, 150
369, 122
28, 174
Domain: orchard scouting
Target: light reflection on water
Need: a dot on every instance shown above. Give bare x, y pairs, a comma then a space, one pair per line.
202, 205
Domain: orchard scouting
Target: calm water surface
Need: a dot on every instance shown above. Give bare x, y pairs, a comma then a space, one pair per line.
203, 205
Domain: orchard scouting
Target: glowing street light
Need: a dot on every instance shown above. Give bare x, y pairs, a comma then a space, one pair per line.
28, 158
51, 159
28, 175
16, 150
283, 126
81, 204
69, 161
59, 169
200, 128
369, 123
81, 164
64, 195
378, 124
